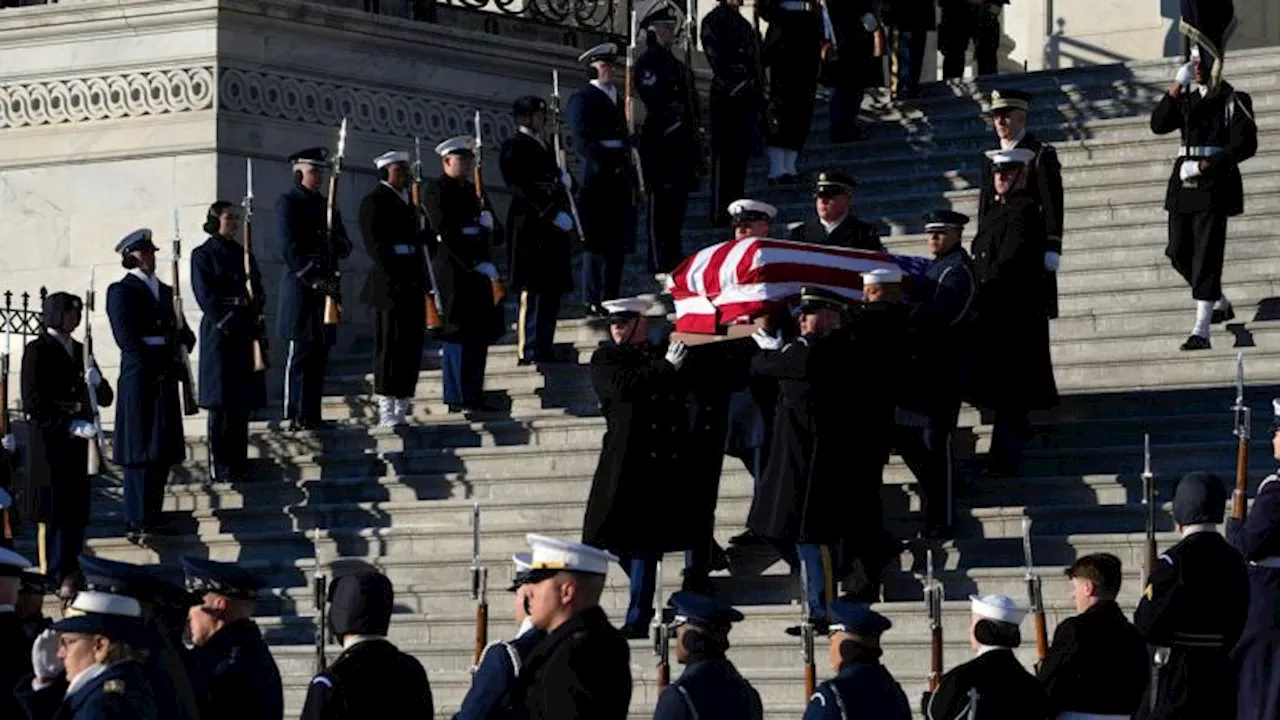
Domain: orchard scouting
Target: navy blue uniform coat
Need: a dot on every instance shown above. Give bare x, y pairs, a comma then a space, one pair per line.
539, 250
239, 676
496, 675
580, 671
304, 247
608, 179
229, 325
861, 689
709, 689
1257, 656
121, 692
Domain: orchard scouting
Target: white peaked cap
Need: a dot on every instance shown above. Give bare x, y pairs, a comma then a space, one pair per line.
390, 158
1012, 156
522, 561
103, 603
554, 554
13, 559
636, 305
737, 207
882, 276
599, 52
1275, 407
1001, 608
459, 143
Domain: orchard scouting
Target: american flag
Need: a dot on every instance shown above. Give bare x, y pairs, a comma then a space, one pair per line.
731, 282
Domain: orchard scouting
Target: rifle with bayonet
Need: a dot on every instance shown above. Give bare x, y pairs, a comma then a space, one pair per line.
561, 161
434, 321
1149, 502
806, 638
320, 588
1243, 430
333, 277
1034, 595
185, 377
477, 176
629, 107
6, 462
97, 450
661, 633
254, 301
479, 590
933, 592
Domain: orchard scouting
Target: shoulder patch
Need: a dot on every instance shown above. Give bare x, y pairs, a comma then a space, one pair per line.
322, 680
822, 699
1164, 557
114, 685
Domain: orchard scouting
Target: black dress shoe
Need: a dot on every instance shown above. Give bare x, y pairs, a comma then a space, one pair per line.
1221, 316
635, 632
719, 558
134, 535
1195, 342
452, 408
747, 538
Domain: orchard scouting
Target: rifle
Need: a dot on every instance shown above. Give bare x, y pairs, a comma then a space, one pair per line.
627, 105
479, 587
830, 45
260, 340
97, 451
333, 300
1244, 420
1034, 595
973, 704
691, 85
560, 157
661, 634
185, 378
320, 587
933, 592
6, 524
806, 635
434, 321
1149, 500
477, 177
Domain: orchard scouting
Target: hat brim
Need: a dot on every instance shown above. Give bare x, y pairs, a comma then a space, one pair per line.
1005, 106
124, 629
622, 316
1000, 167
832, 189
144, 245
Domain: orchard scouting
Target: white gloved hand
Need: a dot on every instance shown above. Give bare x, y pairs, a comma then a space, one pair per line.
9, 442
6, 500
83, 429
486, 220
563, 221
870, 23
1051, 260
765, 340
93, 377
487, 270
1186, 74
676, 354
44, 656
1189, 169
566, 179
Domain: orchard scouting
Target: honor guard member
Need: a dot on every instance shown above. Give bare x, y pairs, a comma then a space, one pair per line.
792, 45
1258, 540
465, 275
30, 605
732, 47
909, 22
229, 386
55, 391
861, 681
1097, 664
670, 149
539, 229
148, 437
240, 677
855, 27
1218, 133
606, 195
710, 688
89, 665
1009, 110
836, 224
308, 276
582, 668
940, 321
642, 397
15, 645
965, 21
1206, 24
993, 684
396, 286
751, 218
372, 677
1193, 610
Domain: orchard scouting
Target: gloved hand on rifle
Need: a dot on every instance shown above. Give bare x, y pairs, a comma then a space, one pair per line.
563, 221
486, 220
83, 429
9, 443
566, 180
93, 377
676, 354
488, 270
1189, 169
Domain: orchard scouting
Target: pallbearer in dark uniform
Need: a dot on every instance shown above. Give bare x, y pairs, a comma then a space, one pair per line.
732, 46
836, 224
1205, 188
856, 28
582, 668
148, 438
965, 21
1009, 110
1193, 610
710, 688
55, 395
396, 286
371, 678
539, 229
909, 22
941, 322
792, 45
751, 218
1097, 664
861, 682
15, 646
1257, 656
472, 316
239, 676
606, 194
229, 385
305, 280
1002, 687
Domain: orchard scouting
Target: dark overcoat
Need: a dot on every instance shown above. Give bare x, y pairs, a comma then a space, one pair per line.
1222, 119
230, 324
120, 692
863, 685
14, 665
601, 142
713, 373
398, 249
238, 676
580, 671
149, 415
453, 210
303, 238
1096, 664
1006, 691
943, 306
372, 678
1256, 657
710, 688
920, 15
54, 393
670, 149
732, 46
850, 233
540, 251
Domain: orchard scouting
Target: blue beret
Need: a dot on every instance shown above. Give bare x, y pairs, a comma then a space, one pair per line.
220, 578
703, 610
1199, 499
141, 582
139, 239
857, 618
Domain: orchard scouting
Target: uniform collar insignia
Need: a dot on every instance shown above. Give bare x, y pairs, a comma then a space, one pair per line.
114, 685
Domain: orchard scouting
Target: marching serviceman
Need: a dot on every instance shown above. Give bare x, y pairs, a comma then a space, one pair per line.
606, 196
582, 668
1218, 133
15, 648
710, 688
1097, 664
836, 224
732, 46
240, 677
993, 680
792, 45
1258, 540
230, 386
964, 21
55, 395
860, 681
909, 22
307, 277
1011, 371
1193, 610
371, 677
539, 230
396, 286
1009, 110
148, 438
464, 273
642, 397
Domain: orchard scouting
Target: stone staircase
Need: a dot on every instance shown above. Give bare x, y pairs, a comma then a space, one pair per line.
401, 500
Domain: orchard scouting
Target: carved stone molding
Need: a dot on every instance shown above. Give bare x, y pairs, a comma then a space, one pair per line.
102, 97
375, 111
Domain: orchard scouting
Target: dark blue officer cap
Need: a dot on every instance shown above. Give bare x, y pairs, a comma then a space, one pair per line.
310, 156
141, 582
139, 239
607, 52
220, 578
813, 299
704, 611
944, 220
660, 12
527, 105
858, 618
1200, 498
834, 182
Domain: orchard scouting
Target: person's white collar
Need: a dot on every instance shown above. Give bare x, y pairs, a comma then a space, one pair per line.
607, 88
403, 194
8, 608
829, 226
153, 282
349, 640
1188, 530
525, 626
984, 649
84, 677
1010, 144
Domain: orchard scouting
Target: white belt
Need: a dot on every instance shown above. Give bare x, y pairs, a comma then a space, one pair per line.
611, 144
470, 230
1072, 715
403, 249
155, 340
1267, 562
1198, 151
799, 5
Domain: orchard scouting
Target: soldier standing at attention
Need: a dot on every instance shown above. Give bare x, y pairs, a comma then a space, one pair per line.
910, 22
732, 47
792, 46
710, 688
965, 21
861, 681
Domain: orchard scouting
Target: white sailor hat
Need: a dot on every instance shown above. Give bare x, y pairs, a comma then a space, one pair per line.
520, 570
102, 613
624, 308
1006, 158
555, 555
747, 210
1275, 414
882, 276
1000, 608
604, 51
12, 564
458, 144
390, 158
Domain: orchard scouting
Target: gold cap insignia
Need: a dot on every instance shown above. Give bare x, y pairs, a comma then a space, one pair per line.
114, 685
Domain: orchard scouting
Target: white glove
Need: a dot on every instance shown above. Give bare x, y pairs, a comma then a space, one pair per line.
1051, 260
676, 354
566, 179
486, 219
1185, 74
1189, 169
6, 500
83, 429
765, 340
563, 221
870, 23
44, 656
93, 377
488, 270
9, 443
